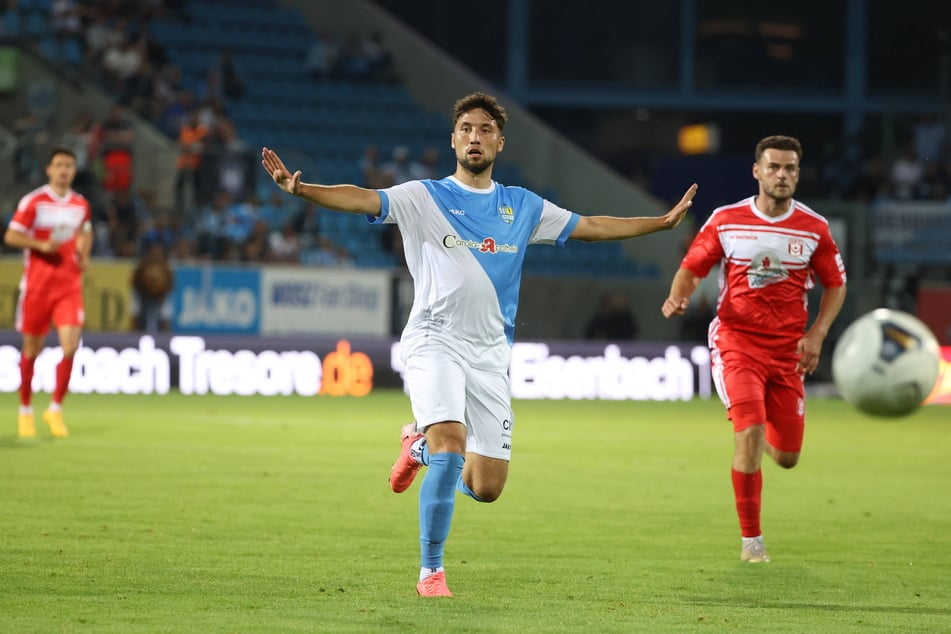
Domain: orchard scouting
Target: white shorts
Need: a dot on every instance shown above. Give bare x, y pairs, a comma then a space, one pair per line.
444, 387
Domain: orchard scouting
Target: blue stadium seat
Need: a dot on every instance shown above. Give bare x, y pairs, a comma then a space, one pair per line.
323, 127
11, 23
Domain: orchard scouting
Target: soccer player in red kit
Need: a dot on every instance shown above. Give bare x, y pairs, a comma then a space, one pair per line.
771, 248
53, 226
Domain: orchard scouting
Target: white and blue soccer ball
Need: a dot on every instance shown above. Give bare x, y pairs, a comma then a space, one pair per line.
886, 363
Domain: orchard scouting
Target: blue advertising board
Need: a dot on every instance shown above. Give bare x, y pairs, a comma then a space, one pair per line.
216, 299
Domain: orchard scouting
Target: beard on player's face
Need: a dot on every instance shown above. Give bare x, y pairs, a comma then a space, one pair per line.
780, 193
474, 167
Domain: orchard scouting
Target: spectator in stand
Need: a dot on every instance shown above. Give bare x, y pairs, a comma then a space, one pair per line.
307, 224
429, 164
122, 62
173, 114
191, 138
140, 89
212, 237
379, 59
285, 244
930, 136
240, 219
210, 110
66, 19
344, 259
231, 83
31, 140
401, 168
323, 57
210, 94
257, 246
123, 221
152, 282
374, 176
227, 164
80, 139
613, 320
99, 37
323, 254
116, 136
159, 229
166, 89
906, 173
275, 211
932, 185
354, 63
871, 183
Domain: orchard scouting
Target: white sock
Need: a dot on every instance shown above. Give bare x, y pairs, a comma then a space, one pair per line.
26, 409
54, 407
416, 451
428, 572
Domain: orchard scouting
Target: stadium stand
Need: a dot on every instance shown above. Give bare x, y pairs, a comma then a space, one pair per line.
322, 126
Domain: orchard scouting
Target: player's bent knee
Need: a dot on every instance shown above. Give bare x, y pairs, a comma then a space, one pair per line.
787, 460
488, 494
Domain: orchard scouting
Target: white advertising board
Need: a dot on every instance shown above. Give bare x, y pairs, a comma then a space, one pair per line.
338, 302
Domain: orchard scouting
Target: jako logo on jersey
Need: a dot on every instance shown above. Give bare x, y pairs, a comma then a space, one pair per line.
507, 214
488, 245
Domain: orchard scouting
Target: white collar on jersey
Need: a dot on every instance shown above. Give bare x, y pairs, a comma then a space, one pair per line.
49, 190
487, 190
760, 214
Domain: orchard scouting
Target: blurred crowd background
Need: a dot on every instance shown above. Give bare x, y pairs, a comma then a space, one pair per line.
658, 94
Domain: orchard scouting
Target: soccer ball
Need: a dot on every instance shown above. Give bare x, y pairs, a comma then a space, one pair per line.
886, 363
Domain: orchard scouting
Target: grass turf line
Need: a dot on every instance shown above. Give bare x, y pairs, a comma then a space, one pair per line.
252, 514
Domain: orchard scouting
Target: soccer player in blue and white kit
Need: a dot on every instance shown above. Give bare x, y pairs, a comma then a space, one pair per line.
465, 238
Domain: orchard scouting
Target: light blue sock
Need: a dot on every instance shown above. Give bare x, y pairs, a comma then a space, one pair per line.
463, 488
437, 500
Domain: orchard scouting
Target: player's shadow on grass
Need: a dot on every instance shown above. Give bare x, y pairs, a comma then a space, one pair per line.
828, 607
15, 442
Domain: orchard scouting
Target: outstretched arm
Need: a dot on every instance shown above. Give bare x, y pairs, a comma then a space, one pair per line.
683, 286
349, 198
599, 228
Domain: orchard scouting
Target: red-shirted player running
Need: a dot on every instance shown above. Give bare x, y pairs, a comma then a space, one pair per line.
771, 249
53, 226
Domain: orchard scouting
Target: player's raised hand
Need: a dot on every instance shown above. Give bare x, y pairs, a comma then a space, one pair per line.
676, 215
279, 173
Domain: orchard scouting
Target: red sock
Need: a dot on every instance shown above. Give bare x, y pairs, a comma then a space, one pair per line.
26, 380
63, 370
748, 489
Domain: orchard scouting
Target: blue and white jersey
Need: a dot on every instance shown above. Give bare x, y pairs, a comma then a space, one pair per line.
465, 249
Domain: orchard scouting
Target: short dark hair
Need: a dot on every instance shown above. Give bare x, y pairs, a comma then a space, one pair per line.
60, 150
477, 101
779, 142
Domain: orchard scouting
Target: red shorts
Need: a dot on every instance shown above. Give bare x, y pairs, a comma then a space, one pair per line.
759, 388
35, 311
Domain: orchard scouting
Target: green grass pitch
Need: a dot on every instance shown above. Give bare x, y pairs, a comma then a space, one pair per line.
246, 514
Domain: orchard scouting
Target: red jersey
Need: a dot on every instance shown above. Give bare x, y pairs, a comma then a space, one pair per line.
44, 215
767, 266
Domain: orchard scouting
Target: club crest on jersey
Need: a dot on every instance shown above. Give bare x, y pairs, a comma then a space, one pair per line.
796, 247
766, 268
507, 214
